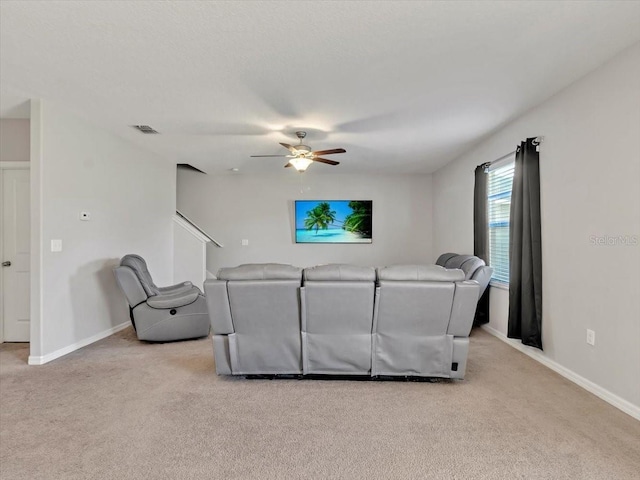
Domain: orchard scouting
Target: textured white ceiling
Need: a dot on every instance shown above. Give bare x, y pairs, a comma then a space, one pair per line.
402, 86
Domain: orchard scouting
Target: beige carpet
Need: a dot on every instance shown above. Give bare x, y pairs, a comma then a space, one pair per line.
121, 409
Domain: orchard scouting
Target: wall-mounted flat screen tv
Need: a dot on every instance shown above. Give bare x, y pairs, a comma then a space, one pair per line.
334, 221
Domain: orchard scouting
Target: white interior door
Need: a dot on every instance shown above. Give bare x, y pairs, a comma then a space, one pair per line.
15, 255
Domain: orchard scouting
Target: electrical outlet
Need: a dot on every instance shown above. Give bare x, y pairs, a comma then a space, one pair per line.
56, 245
591, 337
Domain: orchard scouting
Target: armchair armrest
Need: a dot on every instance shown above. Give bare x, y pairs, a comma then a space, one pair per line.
174, 300
178, 287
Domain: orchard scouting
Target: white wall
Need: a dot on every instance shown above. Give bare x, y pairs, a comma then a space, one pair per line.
189, 253
14, 140
130, 194
590, 186
260, 208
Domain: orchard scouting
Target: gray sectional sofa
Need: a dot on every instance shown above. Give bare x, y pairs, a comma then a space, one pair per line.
273, 319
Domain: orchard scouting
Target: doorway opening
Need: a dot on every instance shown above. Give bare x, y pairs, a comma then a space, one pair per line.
15, 231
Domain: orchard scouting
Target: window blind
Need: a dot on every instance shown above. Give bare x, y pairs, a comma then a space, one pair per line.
500, 182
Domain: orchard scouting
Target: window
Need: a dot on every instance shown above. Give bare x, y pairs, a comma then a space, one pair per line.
499, 186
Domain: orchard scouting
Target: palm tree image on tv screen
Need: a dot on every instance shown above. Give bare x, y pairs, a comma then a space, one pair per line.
334, 221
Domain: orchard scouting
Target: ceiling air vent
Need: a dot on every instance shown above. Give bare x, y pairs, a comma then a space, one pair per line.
146, 129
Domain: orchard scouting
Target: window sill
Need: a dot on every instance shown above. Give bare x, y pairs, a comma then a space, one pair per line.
500, 285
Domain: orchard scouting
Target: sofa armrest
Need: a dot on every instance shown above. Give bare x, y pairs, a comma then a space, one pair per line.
178, 287
463, 310
218, 306
483, 277
174, 300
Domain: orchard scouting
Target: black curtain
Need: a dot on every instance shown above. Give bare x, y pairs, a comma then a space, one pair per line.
525, 251
480, 236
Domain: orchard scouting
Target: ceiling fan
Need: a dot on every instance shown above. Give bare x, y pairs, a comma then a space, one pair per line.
302, 156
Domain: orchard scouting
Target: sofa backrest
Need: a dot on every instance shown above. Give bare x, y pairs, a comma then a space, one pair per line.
473, 267
418, 311
337, 318
130, 285
442, 259
261, 271
264, 307
426, 300
139, 267
263, 297
416, 299
338, 272
422, 273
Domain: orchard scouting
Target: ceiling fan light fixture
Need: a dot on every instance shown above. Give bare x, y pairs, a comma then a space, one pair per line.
302, 156
300, 163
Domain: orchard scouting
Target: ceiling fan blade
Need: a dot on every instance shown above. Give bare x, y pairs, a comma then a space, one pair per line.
329, 152
324, 160
290, 148
287, 165
255, 156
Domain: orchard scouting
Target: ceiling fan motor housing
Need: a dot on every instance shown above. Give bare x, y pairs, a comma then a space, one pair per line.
302, 149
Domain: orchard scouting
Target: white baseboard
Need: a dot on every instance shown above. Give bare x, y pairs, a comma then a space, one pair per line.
41, 360
611, 398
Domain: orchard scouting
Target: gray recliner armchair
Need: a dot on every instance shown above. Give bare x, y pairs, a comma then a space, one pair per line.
161, 314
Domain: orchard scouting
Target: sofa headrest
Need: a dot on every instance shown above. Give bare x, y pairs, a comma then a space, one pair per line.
340, 272
467, 263
261, 271
422, 273
444, 258
139, 266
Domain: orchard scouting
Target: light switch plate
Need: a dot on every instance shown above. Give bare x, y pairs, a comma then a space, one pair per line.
56, 245
245, 242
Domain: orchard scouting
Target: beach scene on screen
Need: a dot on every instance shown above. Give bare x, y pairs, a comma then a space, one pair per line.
333, 221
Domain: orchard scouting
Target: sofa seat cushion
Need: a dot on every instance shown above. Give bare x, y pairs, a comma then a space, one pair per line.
421, 273
337, 272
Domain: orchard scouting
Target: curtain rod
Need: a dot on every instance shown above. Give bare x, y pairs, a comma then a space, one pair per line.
536, 141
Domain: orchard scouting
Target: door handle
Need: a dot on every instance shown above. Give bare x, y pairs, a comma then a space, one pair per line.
6, 264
